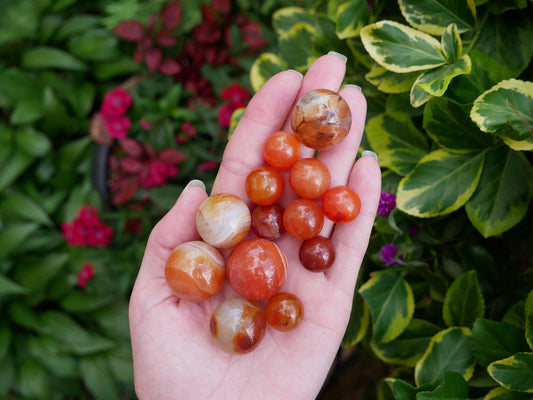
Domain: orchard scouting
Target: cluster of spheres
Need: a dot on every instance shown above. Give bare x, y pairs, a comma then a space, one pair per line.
256, 267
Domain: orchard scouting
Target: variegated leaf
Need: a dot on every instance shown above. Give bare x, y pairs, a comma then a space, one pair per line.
452, 45
401, 48
501, 393
441, 183
434, 16
503, 194
391, 82
359, 322
264, 67
510, 103
436, 81
398, 142
351, 16
418, 96
286, 18
514, 373
296, 46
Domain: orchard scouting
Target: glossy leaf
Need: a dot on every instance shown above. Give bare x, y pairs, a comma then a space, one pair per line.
94, 45
407, 348
33, 380
452, 45
18, 205
405, 391
435, 16
9, 287
391, 304
501, 393
391, 82
351, 16
171, 15
514, 373
359, 322
76, 24
15, 234
448, 350
449, 125
418, 96
493, 340
296, 46
36, 272
504, 192
286, 18
464, 302
32, 142
397, 140
264, 67
454, 387
97, 376
50, 353
528, 309
49, 57
131, 31
442, 182
436, 81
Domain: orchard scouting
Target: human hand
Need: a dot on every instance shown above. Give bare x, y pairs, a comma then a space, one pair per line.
173, 351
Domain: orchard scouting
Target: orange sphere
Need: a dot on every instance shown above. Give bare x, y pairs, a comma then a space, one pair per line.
303, 219
264, 185
281, 149
341, 204
309, 178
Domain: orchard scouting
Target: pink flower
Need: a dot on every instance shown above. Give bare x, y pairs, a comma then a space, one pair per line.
235, 94
145, 124
87, 229
85, 274
117, 127
116, 103
158, 173
189, 129
224, 114
207, 165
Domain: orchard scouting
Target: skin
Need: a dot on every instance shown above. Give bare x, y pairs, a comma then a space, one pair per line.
174, 354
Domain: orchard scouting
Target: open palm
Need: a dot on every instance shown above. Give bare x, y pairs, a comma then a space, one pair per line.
174, 354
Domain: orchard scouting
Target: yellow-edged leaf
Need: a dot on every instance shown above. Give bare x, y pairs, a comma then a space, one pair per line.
264, 67
391, 82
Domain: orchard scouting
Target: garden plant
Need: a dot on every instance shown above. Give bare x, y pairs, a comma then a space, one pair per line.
107, 109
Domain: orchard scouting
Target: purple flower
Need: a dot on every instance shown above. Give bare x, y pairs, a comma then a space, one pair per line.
388, 254
387, 202
413, 229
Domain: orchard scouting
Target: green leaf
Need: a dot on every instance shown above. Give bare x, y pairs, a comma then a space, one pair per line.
448, 350
284, 19
5, 339
529, 319
398, 142
36, 272
391, 304
98, 378
400, 48
8, 287
264, 67
407, 348
33, 381
94, 45
501, 393
51, 354
504, 192
124, 66
296, 46
13, 235
404, 391
75, 25
449, 125
436, 81
49, 57
442, 182
18, 205
7, 374
391, 82
463, 303
418, 96
514, 373
32, 142
359, 322
452, 45
80, 302
515, 315
453, 388
509, 102
351, 16
435, 16
493, 340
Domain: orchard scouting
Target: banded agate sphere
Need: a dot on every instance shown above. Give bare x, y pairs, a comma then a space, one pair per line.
303, 219
284, 311
223, 220
238, 325
195, 271
267, 221
321, 119
256, 269
341, 204
309, 178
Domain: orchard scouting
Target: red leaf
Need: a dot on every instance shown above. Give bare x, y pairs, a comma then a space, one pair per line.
170, 67
131, 147
165, 38
171, 15
222, 6
125, 189
153, 58
251, 35
131, 165
131, 31
171, 156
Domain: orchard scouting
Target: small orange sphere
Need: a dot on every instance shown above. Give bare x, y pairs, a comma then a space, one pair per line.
264, 185
284, 312
303, 218
309, 178
341, 204
281, 149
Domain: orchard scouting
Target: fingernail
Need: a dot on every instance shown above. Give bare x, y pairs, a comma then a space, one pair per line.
194, 183
370, 153
298, 73
341, 56
353, 85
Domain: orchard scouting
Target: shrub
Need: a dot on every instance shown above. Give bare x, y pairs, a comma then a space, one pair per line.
445, 295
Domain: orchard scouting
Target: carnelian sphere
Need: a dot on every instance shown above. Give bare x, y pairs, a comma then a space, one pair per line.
341, 204
256, 269
317, 254
309, 178
195, 271
238, 325
281, 149
267, 221
223, 220
264, 185
321, 119
284, 311
303, 218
